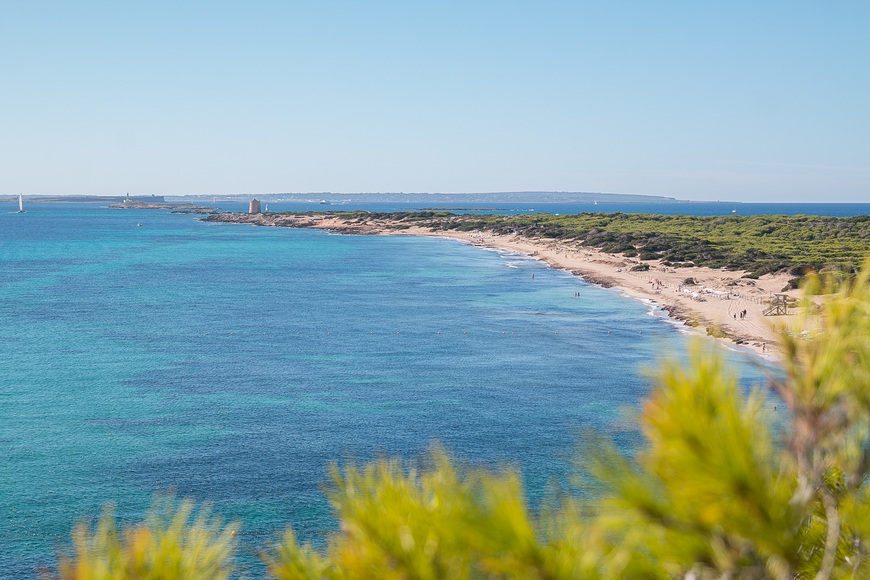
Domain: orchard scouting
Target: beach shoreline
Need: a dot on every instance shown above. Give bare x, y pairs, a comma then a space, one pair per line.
717, 303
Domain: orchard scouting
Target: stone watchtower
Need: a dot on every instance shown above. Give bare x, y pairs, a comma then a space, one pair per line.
255, 206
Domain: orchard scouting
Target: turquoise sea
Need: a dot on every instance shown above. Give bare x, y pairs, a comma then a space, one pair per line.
233, 363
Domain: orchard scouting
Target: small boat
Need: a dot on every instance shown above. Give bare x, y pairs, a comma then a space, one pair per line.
20, 204
139, 225
324, 202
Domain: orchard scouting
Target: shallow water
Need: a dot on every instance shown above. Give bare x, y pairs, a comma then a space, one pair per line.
233, 363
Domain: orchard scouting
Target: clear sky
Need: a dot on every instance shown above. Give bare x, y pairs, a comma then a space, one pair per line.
738, 100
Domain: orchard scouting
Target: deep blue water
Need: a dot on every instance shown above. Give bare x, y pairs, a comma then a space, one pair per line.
233, 363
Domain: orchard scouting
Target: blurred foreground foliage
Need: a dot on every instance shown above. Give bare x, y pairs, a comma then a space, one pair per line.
172, 544
716, 492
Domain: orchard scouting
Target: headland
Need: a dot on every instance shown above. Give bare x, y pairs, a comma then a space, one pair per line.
716, 302
176, 207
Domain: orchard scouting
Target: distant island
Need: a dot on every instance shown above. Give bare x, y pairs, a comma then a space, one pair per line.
86, 198
443, 199
483, 201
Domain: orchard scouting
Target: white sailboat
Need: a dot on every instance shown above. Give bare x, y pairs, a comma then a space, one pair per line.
20, 204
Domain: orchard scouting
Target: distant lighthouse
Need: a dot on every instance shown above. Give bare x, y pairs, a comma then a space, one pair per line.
255, 206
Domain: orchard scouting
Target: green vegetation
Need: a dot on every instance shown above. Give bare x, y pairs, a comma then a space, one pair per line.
170, 545
716, 492
757, 244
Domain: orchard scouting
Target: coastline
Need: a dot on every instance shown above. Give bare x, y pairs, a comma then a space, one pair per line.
711, 306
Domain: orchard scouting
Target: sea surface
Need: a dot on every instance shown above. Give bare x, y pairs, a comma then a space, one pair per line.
233, 363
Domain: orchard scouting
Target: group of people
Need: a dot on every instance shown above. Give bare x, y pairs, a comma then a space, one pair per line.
657, 285
741, 314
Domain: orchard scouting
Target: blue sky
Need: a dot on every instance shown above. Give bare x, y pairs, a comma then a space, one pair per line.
742, 101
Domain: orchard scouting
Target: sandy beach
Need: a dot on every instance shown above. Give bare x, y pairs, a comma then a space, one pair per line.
712, 302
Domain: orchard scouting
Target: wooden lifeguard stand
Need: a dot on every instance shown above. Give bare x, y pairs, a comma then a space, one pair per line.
778, 307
